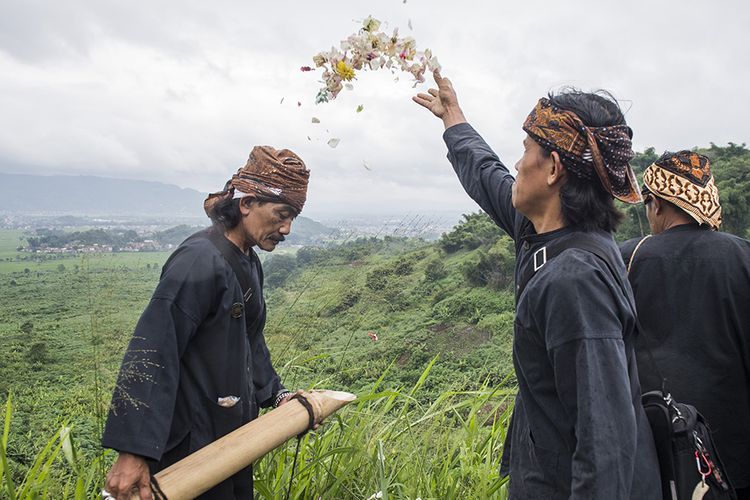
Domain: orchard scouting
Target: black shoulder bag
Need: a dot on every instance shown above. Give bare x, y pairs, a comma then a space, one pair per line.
688, 460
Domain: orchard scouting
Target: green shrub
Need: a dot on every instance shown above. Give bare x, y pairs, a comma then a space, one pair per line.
403, 267
309, 255
277, 269
435, 270
471, 306
346, 301
476, 229
377, 279
493, 268
37, 353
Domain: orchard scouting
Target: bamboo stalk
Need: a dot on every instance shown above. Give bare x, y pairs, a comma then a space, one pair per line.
219, 460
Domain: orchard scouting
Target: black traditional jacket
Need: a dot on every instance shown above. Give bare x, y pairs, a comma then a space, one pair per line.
578, 428
692, 291
194, 370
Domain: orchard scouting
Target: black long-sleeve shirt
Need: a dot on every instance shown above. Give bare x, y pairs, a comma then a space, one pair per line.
191, 347
578, 429
692, 292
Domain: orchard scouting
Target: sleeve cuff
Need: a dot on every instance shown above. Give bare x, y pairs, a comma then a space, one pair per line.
265, 395
455, 133
144, 450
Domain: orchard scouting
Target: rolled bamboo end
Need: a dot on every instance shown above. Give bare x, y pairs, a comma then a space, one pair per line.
207, 467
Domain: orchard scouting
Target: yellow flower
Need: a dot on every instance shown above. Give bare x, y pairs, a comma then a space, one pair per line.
345, 71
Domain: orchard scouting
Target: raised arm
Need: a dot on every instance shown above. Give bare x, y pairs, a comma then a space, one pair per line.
482, 174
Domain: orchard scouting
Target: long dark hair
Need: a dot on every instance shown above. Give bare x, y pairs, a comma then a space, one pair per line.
584, 202
226, 215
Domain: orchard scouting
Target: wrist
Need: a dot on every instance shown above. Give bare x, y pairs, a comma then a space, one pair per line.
280, 397
453, 116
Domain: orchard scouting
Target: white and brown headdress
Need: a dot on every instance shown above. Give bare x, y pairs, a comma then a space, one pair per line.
684, 179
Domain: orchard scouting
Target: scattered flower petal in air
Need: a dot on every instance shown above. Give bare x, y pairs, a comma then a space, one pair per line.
360, 108
308, 138
370, 49
367, 167
282, 101
333, 142
305, 68
373, 336
315, 120
299, 104
323, 96
370, 24
409, 24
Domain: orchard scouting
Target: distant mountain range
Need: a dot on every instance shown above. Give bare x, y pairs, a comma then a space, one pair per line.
90, 195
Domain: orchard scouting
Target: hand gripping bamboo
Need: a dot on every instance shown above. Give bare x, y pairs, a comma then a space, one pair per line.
214, 463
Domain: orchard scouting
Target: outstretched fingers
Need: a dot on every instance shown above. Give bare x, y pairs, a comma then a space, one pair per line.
422, 100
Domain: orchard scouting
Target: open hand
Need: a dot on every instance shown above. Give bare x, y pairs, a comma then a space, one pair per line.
442, 102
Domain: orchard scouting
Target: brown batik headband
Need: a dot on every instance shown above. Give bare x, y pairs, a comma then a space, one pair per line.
584, 150
684, 179
269, 174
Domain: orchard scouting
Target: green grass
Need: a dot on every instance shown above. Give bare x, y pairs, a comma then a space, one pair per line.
63, 333
385, 445
10, 239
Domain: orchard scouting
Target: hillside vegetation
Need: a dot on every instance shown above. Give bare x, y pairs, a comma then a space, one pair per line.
420, 331
66, 323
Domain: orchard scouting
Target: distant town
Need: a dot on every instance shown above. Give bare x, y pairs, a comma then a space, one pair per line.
73, 234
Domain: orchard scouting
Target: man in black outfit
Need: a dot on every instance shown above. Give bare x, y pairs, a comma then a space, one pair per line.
197, 366
578, 428
692, 291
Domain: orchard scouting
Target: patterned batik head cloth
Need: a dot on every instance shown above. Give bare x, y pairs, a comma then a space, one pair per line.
585, 150
270, 175
684, 179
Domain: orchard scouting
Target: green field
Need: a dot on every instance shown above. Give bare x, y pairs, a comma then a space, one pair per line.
65, 322
10, 239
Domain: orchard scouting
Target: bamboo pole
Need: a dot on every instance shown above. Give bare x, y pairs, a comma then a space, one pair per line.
207, 467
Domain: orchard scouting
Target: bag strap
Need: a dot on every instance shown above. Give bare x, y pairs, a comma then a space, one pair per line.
230, 255
635, 250
555, 248
646, 341
579, 240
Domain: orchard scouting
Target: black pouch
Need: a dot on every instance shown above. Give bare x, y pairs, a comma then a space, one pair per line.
686, 450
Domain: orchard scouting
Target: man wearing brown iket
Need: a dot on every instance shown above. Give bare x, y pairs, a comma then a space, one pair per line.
197, 366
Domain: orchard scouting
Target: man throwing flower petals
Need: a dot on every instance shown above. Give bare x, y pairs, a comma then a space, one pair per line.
578, 429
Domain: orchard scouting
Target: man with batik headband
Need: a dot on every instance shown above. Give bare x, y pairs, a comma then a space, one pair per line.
197, 366
692, 291
578, 429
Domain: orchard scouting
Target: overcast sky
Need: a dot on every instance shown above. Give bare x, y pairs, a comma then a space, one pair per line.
179, 91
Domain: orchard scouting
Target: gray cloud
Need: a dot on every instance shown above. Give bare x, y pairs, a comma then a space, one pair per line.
179, 91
